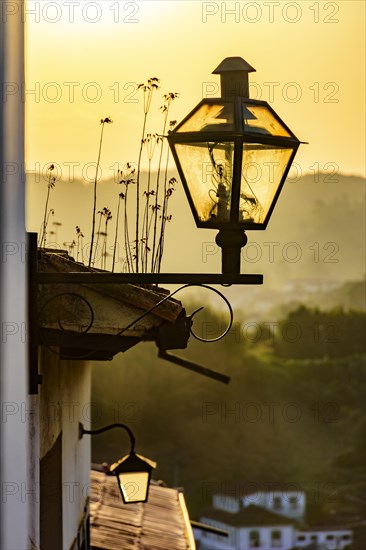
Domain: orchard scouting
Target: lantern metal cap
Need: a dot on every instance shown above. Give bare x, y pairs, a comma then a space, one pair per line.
132, 462
233, 64
234, 77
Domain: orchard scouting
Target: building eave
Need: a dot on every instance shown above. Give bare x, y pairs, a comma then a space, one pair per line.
96, 321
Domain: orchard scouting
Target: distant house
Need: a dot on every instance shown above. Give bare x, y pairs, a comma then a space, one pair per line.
329, 538
250, 527
267, 519
283, 499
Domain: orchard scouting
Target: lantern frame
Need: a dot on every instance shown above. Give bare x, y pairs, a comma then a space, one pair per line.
238, 135
133, 463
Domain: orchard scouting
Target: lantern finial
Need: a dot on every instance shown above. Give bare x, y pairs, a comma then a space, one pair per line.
234, 75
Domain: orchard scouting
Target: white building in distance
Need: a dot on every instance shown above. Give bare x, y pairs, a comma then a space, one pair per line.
273, 518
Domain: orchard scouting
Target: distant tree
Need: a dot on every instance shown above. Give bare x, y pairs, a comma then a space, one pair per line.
311, 333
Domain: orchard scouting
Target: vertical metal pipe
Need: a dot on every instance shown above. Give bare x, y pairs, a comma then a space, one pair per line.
234, 77
13, 285
32, 314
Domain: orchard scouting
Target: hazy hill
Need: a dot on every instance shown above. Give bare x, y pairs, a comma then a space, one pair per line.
306, 213
315, 240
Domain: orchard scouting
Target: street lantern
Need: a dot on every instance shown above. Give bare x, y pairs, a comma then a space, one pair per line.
133, 474
133, 471
233, 155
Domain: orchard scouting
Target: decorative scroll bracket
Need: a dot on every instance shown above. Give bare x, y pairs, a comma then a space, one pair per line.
186, 279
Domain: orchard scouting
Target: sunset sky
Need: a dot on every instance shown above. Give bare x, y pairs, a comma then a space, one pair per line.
84, 60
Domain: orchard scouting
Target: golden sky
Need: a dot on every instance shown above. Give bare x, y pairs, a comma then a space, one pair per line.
84, 60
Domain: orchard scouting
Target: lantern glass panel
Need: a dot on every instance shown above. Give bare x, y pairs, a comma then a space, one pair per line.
210, 118
263, 167
134, 485
208, 170
258, 119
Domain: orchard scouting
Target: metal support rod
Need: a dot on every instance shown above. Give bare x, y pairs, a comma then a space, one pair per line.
33, 377
82, 431
152, 278
194, 367
231, 241
209, 528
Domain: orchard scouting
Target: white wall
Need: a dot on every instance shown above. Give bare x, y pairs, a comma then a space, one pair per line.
33, 467
335, 544
293, 503
287, 537
13, 351
64, 402
211, 541
76, 455
240, 537
266, 500
225, 502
